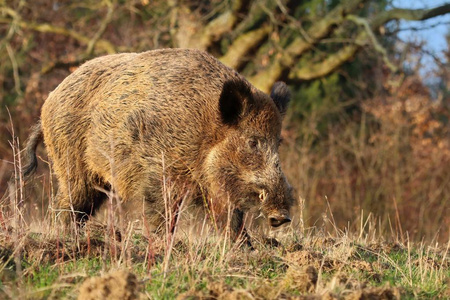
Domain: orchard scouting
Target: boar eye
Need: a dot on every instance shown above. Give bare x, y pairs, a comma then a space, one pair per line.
253, 144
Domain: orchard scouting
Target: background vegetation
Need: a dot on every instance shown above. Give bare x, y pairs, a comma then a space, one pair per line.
365, 140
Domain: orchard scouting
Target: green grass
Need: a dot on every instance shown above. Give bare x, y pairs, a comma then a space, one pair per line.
196, 270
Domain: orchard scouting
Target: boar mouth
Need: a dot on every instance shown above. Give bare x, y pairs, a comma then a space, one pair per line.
276, 218
276, 222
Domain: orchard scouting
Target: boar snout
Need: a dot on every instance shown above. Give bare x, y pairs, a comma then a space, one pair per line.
279, 219
277, 216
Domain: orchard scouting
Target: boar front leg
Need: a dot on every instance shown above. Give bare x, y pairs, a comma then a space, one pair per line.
238, 230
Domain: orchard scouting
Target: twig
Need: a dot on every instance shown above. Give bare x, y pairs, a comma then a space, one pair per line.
12, 27
15, 68
101, 30
45, 28
365, 24
421, 28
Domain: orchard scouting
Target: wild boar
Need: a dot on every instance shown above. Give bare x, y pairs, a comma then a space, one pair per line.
125, 121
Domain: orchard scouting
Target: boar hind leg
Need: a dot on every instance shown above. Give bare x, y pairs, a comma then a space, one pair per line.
238, 231
78, 202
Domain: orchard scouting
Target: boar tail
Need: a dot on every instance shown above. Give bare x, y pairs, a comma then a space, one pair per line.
30, 149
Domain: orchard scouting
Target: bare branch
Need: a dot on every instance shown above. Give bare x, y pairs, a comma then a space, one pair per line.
15, 69
101, 30
409, 14
12, 28
380, 49
92, 43
420, 28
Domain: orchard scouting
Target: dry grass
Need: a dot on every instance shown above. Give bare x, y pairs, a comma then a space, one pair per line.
390, 165
121, 259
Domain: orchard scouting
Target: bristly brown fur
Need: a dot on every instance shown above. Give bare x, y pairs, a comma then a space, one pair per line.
128, 120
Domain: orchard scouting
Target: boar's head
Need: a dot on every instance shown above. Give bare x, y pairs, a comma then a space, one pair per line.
244, 165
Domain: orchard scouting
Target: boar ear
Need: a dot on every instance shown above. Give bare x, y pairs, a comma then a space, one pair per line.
281, 95
233, 100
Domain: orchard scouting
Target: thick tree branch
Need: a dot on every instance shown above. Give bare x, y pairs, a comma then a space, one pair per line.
265, 79
330, 64
256, 15
191, 34
237, 52
203, 37
217, 28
